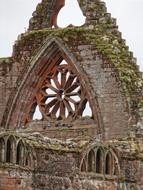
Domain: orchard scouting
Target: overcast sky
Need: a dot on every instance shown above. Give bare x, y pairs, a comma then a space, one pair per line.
14, 16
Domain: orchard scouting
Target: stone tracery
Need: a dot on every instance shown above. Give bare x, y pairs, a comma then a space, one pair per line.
60, 92
61, 95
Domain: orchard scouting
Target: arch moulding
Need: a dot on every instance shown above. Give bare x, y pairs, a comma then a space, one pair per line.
52, 49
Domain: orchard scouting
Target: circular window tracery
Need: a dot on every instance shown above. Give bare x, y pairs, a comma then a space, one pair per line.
61, 95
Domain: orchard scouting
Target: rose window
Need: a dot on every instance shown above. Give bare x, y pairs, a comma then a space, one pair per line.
61, 94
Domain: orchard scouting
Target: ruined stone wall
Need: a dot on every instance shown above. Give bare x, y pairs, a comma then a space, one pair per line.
98, 73
64, 165
8, 76
55, 164
103, 61
15, 179
113, 84
104, 84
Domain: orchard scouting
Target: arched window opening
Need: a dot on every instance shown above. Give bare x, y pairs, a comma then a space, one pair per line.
2, 150
66, 16
62, 92
10, 150
91, 161
87, 111
28, 159
20, 153
63, 62
83, 166
61, 96
37, 114
99, 161
109, 164
34, 112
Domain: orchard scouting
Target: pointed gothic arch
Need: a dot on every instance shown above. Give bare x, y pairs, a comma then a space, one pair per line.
60, 95
99, 161
91, 161
44, 66
10, 149
108, 163
20, 150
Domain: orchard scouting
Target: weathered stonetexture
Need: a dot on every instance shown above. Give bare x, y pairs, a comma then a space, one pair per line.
67, 149
15, 179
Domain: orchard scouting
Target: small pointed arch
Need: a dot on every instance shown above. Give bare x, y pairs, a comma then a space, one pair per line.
2, 150
34, 113
91, 161
99, 160
20, 153
109, 163
87, 111
29, 162
10, 149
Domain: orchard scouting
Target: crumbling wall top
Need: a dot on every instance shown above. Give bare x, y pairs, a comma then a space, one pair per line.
47, 11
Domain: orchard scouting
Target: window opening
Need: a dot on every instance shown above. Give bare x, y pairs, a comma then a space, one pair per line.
53, 83
61, 96
109, 164
10, 150
87, 111
68, 14
50, 91
20, 153
99, 161
63, 62
28, 159
91, 161
2, 150
37, 114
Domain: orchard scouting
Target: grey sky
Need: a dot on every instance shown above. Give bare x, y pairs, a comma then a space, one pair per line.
14, 16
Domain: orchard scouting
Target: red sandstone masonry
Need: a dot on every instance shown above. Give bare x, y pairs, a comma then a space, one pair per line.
54, 150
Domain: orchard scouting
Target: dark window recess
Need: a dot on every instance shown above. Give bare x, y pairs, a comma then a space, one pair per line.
91, 161
99, 161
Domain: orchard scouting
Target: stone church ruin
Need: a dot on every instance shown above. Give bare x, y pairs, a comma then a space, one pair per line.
71, 105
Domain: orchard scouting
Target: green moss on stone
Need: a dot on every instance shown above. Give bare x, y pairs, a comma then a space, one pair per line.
108, 43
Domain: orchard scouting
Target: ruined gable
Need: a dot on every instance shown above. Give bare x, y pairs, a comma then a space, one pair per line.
87, 89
